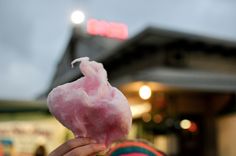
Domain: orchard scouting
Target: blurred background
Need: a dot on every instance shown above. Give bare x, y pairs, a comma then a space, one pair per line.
175, 61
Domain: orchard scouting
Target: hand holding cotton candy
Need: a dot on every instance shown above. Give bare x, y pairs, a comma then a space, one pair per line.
90, 106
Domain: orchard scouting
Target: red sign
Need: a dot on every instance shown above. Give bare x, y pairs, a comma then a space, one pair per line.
107, 29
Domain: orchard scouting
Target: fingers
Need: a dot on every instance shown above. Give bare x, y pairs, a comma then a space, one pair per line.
86, 150
71, 145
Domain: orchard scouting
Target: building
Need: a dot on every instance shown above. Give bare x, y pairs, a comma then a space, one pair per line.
192, 79
25, 125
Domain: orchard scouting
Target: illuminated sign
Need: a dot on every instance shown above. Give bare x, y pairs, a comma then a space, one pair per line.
107, 29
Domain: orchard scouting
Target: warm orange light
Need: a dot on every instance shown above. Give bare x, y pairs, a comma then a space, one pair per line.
157, 118
139, 109
147, 117
193, 128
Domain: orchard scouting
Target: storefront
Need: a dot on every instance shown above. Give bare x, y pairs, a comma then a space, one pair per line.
191, 80
26, 125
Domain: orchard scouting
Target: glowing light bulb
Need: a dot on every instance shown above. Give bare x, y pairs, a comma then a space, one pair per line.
77, 17
185, 124
145, 92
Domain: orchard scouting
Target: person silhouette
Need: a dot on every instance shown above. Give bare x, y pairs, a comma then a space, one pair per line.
40, 151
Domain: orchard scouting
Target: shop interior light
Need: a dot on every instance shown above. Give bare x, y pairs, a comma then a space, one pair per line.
145, 92
139, 109
147, 117
77, 17
193, 128
157, 118
185, 124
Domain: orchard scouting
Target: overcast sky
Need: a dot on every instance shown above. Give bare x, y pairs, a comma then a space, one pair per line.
34, 33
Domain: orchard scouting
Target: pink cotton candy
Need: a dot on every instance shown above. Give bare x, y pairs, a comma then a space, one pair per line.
90, 106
